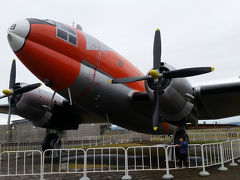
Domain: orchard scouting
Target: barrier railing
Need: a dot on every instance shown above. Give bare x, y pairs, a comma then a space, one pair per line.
213, 136
105, 159
21, 163
146, 158
91, 141
63, 161
117, 159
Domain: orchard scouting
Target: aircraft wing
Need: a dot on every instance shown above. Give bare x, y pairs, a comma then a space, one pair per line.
4, 108
218, 101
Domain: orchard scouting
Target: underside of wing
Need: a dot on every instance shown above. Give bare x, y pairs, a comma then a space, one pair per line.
4, 108
218, 101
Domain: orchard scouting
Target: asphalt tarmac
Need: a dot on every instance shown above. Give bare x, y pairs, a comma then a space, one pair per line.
233, 173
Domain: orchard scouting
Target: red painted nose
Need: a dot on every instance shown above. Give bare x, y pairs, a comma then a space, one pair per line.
39, 50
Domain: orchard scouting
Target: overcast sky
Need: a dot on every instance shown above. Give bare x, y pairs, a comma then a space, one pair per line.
194, 33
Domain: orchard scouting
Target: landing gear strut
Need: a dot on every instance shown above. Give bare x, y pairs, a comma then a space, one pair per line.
180, 132
52, 141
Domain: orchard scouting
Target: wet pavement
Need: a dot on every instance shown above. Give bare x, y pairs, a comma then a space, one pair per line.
182, 174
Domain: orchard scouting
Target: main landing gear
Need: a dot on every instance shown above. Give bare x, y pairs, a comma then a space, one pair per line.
52, 141
180, 132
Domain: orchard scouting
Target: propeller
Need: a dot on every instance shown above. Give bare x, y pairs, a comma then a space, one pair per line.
13, 90
156, 75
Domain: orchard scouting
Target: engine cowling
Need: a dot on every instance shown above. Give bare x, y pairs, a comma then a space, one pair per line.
174, 103
30, 105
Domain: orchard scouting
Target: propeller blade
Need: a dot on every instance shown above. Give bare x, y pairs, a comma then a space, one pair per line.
129, 79
9, 114
155, 107
187, 72
157, 50
27, 88
1, 97
12, 75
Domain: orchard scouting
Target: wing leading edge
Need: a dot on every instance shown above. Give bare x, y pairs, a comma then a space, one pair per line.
218, 100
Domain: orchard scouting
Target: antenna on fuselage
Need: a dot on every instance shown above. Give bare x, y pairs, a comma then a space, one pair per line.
73, 24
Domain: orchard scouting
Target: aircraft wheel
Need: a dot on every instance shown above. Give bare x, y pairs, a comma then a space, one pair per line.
51, 141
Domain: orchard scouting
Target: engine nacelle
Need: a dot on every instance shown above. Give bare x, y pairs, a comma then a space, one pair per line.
175, 100
165, 128
30, 105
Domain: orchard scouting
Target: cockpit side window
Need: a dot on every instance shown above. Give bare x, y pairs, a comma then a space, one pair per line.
71, 30
62, 34
66, 33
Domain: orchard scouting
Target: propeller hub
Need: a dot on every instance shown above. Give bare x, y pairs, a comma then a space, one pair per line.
154, 73
7, 92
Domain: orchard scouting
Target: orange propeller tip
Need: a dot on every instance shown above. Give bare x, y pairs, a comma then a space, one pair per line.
155, 128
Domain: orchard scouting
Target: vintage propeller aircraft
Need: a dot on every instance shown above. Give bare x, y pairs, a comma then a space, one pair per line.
92, 83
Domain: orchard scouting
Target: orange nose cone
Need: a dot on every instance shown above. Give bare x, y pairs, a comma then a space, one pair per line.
45, 63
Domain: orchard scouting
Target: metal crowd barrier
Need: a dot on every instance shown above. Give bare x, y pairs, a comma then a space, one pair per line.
91, 141
63, 161
213, 136
80, 142
21, 163
117, 159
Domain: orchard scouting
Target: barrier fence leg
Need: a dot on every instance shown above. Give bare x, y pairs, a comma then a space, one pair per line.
222, 168
203, 172
0, 153
238, 148
85, 168
167, 175
126, 176
232, 164
42, 166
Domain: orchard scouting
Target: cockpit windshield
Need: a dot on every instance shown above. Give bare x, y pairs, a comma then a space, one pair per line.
66, 33
50, 22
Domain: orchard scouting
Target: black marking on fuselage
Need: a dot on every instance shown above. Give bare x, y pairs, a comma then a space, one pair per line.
25, 38
38, 21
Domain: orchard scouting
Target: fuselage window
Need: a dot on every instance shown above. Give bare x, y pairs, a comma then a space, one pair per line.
66, 33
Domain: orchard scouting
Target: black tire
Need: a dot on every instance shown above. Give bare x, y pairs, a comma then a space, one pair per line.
180, 133
49, 141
